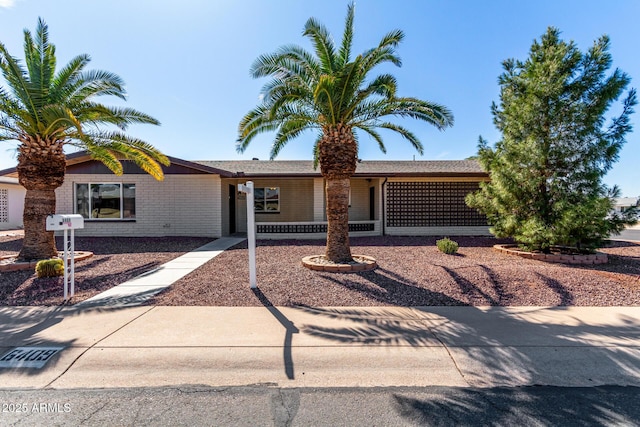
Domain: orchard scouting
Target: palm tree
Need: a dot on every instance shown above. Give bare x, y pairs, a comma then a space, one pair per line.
44, 110
332, 93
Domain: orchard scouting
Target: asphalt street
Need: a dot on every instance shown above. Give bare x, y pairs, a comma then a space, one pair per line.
629, 234
264, 405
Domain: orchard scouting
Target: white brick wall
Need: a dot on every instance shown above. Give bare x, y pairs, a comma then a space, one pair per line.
14, 206
181, 205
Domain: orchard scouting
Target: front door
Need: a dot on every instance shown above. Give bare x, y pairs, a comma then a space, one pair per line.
372, 203
232, 209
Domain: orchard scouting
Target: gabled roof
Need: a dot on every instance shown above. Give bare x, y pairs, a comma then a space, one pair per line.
83, 157
365, 168
302, 168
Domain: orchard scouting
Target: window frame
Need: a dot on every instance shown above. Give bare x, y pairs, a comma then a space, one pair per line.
121, 186
265, 200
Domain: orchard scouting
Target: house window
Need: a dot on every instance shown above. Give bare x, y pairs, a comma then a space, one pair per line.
266, 199
105, 201
4, 205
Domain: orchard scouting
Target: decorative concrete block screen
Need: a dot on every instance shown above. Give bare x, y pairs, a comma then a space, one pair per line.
431, 204
308, 228
4, 205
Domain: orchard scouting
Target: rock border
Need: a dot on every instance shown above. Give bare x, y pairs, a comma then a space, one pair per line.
363, 263
581, 259
31, 265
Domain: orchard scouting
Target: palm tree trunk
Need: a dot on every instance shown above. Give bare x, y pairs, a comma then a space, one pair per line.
38, 243
41, 169
338, 249
337, 155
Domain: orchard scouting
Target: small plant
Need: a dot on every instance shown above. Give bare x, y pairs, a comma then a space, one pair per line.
50, 267
447, 246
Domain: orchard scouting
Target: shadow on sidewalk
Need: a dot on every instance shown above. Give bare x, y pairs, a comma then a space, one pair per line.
289, 327
24, 326
496, 346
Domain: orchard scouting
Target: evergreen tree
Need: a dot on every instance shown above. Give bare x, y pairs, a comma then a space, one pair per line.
546, 172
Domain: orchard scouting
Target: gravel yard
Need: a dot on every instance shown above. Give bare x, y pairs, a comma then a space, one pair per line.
115, 260
411, 272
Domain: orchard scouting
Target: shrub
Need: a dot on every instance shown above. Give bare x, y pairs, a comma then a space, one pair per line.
50, 267
447, 246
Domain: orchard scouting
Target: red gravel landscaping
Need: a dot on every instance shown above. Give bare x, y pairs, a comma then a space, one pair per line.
412, 272
115, 260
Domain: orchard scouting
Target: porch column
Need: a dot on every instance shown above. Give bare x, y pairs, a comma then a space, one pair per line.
318, 199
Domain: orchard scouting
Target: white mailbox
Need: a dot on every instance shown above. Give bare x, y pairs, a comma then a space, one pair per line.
70, 222
64, 222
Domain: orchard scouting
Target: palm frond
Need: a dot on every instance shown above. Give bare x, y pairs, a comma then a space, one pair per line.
344, 53
98, 114
405, 133
109, 147
40, 60
95, 83
18, 80
289, 130
375, 135
323, 88
322, 43
68, 78
59, 119
105, 156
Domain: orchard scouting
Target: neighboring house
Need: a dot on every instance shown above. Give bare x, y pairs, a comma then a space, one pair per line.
200, 198
11, 203
623, 203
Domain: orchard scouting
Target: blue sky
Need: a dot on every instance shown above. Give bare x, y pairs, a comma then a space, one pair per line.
186, 63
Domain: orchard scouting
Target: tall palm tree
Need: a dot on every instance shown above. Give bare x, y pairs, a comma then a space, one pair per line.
44, 110
332, 93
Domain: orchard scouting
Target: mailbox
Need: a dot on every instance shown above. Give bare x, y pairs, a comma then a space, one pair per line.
64, 222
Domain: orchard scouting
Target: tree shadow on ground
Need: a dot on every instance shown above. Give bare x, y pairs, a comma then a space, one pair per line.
585, 406
496, 346
391, 288
475, 294
50, 290
566, 297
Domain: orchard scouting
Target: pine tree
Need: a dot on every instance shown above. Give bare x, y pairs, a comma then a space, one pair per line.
547, 171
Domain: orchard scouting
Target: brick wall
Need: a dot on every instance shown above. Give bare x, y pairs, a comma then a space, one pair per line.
181, 205
13, 206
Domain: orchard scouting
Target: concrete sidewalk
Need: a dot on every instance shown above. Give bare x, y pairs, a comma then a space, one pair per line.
136, 291
324, 347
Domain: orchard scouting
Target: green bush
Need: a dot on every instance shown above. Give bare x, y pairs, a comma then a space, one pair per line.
50, 267
447, 246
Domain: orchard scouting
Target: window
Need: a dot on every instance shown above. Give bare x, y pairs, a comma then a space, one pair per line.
106, 201
266, 199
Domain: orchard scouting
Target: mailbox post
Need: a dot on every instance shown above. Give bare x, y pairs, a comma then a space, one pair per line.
65, 223
251, 231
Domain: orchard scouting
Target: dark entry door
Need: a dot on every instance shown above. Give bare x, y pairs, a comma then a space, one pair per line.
232, 209
372, 203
